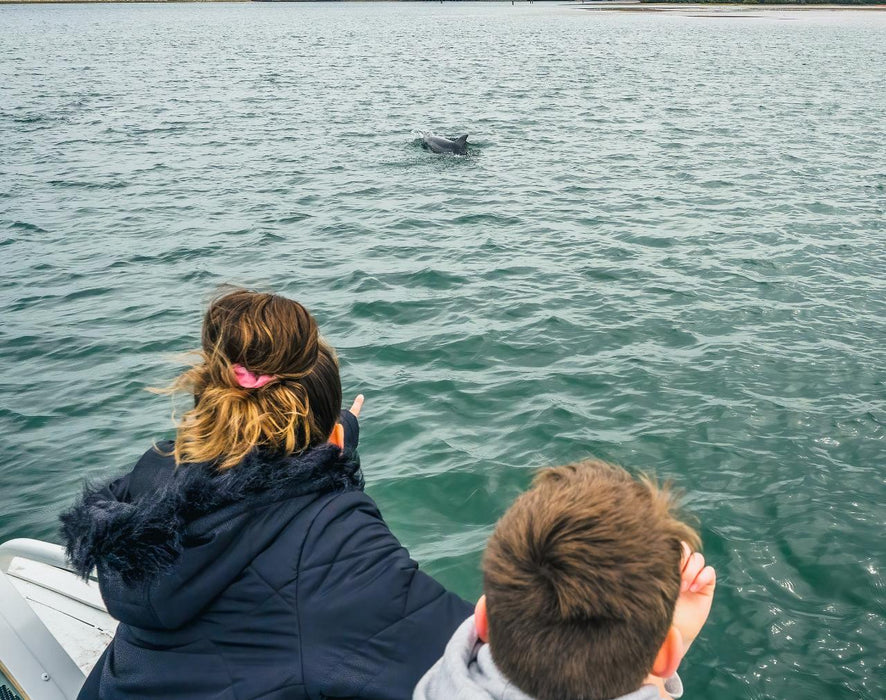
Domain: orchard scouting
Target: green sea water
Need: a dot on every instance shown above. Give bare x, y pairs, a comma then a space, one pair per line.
666, 247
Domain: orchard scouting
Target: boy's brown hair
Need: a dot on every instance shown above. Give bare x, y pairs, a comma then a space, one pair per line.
581, 576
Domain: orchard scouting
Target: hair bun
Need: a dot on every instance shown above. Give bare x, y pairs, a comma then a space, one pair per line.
266, 333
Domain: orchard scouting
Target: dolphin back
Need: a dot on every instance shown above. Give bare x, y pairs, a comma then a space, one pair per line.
434, 143
439, 144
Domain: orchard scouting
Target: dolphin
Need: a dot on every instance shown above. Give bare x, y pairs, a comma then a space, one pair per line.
439, 144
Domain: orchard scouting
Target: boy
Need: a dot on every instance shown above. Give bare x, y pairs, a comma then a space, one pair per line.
592, 592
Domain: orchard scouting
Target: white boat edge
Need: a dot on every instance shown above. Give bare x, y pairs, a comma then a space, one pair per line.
53, 625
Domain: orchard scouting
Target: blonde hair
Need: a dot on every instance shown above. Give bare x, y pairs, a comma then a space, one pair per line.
270, 335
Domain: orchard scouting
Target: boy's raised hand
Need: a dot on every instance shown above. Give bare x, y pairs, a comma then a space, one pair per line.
696, 595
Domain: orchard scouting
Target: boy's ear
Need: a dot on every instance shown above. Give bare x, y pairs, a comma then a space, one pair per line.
670, 654
481, 622
337, 437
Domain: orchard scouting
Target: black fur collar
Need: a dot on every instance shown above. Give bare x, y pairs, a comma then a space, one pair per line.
138, 536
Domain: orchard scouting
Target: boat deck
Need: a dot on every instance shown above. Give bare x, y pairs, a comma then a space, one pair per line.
70, 608
53, 625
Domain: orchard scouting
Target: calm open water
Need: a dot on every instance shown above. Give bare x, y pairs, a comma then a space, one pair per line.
666, 248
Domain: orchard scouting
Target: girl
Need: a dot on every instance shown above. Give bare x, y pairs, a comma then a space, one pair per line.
243, 560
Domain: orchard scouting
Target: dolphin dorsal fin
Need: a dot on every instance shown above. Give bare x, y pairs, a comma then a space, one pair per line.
462, 140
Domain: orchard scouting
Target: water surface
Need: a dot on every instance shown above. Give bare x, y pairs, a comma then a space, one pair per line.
666, 249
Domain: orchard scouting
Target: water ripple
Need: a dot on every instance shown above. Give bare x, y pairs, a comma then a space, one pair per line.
664, 248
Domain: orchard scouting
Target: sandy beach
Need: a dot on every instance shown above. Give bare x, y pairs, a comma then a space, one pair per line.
715, 9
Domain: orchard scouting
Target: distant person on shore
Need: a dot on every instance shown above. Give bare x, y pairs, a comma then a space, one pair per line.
592, 591
243, 560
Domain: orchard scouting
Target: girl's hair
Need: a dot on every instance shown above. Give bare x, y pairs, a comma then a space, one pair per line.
268, 335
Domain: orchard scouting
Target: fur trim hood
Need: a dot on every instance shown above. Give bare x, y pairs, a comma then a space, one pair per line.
138, 527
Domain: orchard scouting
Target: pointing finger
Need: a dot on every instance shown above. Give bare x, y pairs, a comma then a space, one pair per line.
357, 405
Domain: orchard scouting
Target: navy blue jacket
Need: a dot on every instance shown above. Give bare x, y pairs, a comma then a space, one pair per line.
275, 580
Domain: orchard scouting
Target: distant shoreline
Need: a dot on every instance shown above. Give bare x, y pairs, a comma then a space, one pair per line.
124, 2
132, 2
609, 5
750, 5
714, 7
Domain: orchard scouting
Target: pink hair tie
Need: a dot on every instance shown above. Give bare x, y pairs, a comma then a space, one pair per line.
248, 380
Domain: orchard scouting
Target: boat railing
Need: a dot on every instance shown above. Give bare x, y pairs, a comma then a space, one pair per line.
34, 550
31, 659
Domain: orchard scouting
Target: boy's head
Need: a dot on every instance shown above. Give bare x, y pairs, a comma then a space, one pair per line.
581, 577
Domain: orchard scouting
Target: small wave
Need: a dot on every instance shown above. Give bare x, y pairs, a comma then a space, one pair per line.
25, 226
107, 185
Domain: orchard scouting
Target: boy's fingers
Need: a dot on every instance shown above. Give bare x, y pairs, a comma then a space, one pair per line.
694, 565
357, 405
687, 552
705, 582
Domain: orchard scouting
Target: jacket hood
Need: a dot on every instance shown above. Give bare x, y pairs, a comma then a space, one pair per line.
466, 671
165, 541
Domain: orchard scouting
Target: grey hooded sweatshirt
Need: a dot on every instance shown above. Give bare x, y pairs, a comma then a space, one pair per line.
466, 672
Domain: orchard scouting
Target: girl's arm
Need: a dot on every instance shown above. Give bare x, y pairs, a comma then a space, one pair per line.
370, 622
